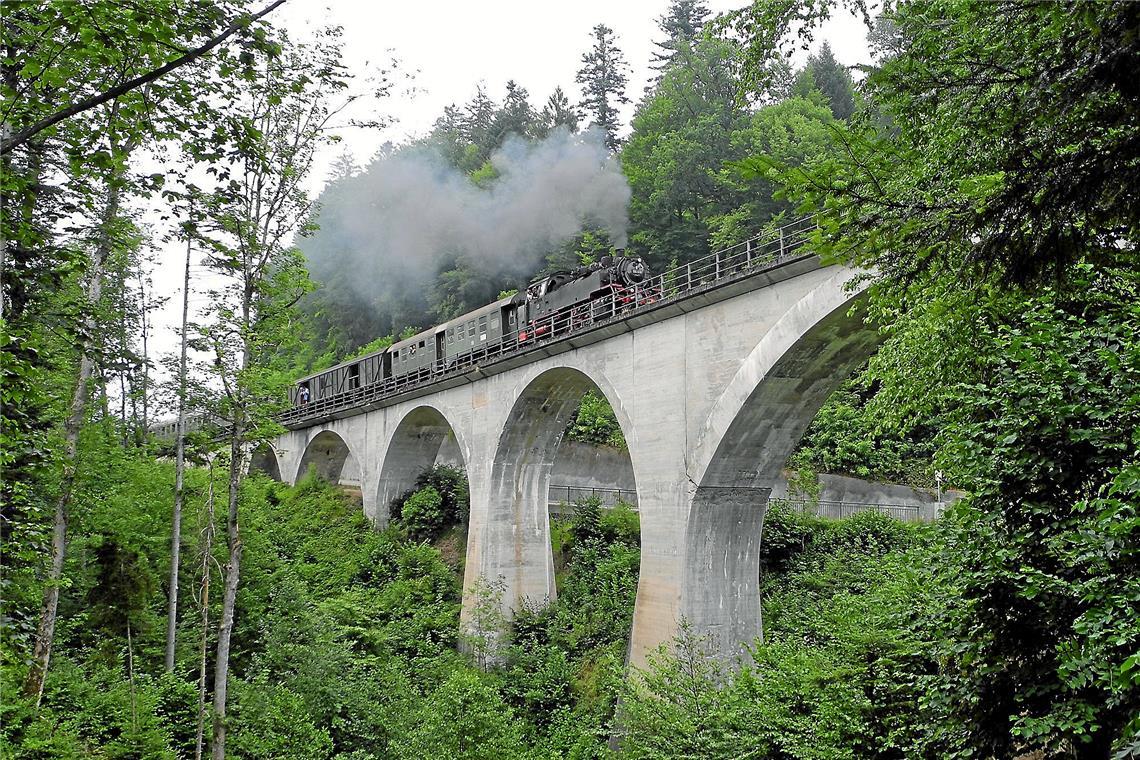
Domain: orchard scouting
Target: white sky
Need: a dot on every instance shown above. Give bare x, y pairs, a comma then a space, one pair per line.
451, 46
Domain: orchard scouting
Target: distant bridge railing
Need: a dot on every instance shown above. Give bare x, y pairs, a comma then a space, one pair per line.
765, 251
563, 497
838, 510
609, 497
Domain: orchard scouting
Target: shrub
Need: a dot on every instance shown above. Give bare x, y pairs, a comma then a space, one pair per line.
423, 514
620, 525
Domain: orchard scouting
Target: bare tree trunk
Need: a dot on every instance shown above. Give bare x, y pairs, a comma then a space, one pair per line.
179, 467
45, 632
229, 597
131, 676
207, 555
237, 468
145, 359
123, 405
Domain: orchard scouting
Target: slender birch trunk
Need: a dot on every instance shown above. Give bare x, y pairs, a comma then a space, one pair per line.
145, 358
179, 467
207, 555
229, 595
233, 536
45, 632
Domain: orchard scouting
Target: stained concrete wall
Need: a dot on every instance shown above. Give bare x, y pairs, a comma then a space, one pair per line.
587, 465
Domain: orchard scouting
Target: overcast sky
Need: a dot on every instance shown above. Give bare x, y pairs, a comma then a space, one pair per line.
450, 47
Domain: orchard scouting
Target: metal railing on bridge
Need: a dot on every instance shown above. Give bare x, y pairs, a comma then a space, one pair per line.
757, 254
838, 510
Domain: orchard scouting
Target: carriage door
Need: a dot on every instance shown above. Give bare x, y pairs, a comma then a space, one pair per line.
440, 349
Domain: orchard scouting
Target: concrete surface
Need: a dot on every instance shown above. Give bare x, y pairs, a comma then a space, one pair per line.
712, 394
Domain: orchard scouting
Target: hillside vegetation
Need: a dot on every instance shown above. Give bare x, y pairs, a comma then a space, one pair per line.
347, 640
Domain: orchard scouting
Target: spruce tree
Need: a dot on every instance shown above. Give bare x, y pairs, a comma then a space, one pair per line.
604, 76
558, 113
514, 117
682, 25
833, 80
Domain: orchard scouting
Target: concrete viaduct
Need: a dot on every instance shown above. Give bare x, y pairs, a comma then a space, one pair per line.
713, 390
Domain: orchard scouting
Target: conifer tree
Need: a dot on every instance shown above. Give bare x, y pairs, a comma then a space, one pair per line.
604, 76
833, 80
682, 25
558, 113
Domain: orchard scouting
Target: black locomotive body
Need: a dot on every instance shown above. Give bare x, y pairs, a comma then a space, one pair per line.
546, 308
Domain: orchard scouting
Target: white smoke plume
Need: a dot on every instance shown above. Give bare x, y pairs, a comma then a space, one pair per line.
408, 213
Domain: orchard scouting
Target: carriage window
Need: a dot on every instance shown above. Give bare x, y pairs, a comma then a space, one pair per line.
483, 324
494, 323
471, 329
421, 344
450, 336
510, 318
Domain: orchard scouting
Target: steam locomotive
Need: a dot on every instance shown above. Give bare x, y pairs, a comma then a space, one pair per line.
548, 307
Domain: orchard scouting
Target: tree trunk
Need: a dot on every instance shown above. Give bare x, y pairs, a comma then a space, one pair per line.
238, 425
229, 597
45, 632
207, 555
145, 359
179, 466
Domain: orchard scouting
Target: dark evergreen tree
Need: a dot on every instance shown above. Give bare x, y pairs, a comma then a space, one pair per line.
448, 136
604, 76
832, 79
478, 121
514, 117
558, 112
682, 25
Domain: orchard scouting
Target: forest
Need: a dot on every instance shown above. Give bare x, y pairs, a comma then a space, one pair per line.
159, 600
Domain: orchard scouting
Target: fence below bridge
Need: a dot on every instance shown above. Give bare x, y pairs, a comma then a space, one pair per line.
563, 497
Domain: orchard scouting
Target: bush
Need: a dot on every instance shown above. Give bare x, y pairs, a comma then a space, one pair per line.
422, 515
439, 500
595, 422
620, 525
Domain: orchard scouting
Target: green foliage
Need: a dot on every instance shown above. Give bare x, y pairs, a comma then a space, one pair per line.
688, 134
422, 513
851, 435
987, 150
463, 718
834, 675
595, 422
438, 501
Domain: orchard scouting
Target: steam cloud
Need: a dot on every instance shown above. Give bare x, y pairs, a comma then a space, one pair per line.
410, 213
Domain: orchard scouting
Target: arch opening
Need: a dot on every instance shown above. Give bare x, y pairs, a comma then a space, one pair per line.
423, 438
514, 552
263, 459
329, 457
